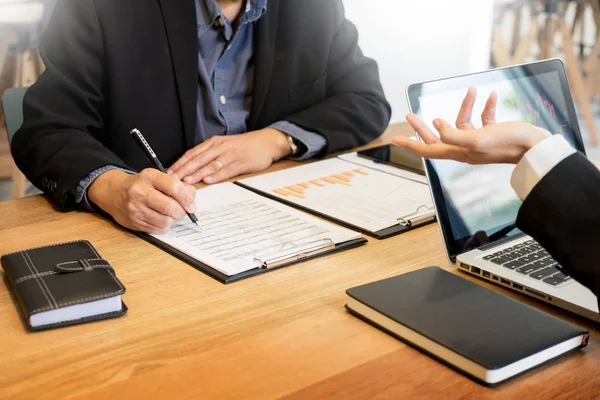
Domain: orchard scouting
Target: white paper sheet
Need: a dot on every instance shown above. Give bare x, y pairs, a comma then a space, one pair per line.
367, 198
239, 227
365, 162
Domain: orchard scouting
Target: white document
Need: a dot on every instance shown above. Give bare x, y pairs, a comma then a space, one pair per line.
366, 198
239, 229
365, 162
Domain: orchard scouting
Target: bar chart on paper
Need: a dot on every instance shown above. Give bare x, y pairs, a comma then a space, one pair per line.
300, 190
363, 197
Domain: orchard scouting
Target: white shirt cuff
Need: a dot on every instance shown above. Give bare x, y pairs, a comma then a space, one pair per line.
537, 162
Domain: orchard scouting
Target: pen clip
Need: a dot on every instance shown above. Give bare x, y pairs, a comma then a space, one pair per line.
143, 142
422, 214
297, 253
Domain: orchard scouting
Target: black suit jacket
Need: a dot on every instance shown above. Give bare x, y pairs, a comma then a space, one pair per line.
115, 65
563, 214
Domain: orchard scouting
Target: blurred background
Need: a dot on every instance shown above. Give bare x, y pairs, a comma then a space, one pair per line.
411, 40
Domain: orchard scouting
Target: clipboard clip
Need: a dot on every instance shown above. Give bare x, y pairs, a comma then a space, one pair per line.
422, 214
297, 253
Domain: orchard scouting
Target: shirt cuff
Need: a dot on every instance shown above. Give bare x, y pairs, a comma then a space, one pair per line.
537, 162
313, 142
81, 190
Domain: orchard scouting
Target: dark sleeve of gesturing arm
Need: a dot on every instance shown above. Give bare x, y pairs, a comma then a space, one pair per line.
60, 142
563, 214
355, 110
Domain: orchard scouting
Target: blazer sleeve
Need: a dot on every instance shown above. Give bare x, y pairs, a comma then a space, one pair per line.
355, 110
59, 143
563, 214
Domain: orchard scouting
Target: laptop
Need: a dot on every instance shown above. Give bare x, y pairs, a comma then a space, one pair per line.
476, 205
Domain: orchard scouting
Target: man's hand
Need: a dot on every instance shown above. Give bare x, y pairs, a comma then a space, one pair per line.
494, 143
223, 157
148, 202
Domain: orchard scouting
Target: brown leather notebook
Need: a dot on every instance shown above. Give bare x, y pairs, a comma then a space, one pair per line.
64, 284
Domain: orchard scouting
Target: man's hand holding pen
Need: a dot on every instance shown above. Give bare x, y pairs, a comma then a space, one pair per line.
153, 200
150, 201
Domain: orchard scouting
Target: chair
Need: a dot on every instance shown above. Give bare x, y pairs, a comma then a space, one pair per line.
25, 21
12, 104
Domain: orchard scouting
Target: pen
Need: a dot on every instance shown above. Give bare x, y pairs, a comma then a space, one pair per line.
141, 141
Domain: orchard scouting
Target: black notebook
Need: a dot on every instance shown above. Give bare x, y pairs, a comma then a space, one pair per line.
488, 336
63, 284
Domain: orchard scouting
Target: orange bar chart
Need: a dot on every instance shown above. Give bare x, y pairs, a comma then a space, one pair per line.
299, 190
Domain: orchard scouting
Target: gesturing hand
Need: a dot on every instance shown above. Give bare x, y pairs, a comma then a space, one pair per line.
148, 202
223, 157
493, 143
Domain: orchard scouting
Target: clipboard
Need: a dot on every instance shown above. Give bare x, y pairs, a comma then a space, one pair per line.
269, 263
422, 215
405, 222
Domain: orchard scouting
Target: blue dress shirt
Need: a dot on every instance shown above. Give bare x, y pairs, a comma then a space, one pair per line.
225, 82
226, 75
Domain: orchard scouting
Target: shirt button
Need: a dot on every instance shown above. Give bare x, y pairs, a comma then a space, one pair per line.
223, 100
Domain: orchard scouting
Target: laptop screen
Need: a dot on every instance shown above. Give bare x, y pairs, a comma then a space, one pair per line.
476, 204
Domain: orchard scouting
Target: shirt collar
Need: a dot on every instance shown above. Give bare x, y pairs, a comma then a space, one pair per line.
209, 12
254, 10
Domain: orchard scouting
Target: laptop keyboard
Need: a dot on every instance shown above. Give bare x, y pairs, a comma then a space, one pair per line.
529, 258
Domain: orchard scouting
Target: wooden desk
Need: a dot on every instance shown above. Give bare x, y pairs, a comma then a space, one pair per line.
282, 334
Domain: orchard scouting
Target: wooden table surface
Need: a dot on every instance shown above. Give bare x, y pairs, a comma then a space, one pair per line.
284, 334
